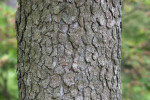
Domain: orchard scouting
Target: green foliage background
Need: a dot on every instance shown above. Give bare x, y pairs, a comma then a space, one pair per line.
8, 56
135, 51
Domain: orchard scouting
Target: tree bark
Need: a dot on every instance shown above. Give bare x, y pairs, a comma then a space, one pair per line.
69, 49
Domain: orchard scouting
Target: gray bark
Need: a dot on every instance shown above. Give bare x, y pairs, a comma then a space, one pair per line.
69, 49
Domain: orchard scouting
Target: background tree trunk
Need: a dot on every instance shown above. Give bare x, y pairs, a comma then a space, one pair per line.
69, 49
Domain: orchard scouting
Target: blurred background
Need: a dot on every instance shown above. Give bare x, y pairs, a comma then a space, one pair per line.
135, 50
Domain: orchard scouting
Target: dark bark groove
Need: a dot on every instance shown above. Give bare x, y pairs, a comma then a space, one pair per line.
69, 49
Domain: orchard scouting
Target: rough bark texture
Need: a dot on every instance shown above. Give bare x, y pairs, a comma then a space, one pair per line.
69, 49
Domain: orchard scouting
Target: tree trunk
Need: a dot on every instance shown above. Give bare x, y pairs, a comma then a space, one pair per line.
69, 49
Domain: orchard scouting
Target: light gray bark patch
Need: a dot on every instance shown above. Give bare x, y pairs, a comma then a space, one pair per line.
69, 78
74, 92
83, 82
59, 70
55, 81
